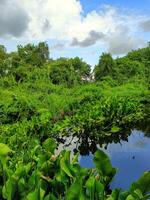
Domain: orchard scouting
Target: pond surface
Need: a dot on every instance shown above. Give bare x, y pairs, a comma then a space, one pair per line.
130, 155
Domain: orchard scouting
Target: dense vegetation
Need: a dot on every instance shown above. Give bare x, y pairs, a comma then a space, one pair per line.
43, 100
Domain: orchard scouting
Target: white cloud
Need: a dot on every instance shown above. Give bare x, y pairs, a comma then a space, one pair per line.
60, 15
123, 40
63, 20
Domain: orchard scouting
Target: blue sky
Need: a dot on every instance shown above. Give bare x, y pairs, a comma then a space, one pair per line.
142, 6
84, 28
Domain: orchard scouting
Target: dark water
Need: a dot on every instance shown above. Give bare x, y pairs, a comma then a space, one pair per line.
130, 155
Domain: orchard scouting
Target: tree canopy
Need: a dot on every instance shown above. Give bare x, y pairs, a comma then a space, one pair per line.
35, 55
105, 66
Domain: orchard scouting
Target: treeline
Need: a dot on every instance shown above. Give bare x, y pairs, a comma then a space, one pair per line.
135, 64
34, 62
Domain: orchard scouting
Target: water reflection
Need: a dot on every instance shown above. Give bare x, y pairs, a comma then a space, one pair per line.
129, 153
88, 143
131, 159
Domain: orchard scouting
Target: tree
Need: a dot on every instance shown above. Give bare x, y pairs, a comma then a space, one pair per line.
82, 68
3, 56
3, 52
62, 72
42, 52
142, 56
35, 55
126, 69
105, 66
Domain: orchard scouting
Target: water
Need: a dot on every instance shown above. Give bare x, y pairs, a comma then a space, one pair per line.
131, 158
130, 155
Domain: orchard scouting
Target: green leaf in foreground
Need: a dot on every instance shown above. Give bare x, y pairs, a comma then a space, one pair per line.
50, 145
75, 191
65, 163
103, 164
38, 194
143, 184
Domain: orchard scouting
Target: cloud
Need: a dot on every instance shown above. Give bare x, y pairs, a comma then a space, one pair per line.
52, 19
46, 25
13, 19
92, 38
145, 25
119, 44
3, 1
65, 21
58, 46
122, 41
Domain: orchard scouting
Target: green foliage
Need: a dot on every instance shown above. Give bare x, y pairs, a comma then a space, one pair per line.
3, 53
43, 99
127, 69
46, 176
142, 56
4, 149
35, 55
3, 57
69, 72
134, 66
62, 72
104, 166
104, 67
80, 67
108, 110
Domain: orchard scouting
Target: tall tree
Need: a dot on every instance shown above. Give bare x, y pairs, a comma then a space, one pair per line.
104, 67
3, 52
3, 56
35, 55
82, 68
62, 72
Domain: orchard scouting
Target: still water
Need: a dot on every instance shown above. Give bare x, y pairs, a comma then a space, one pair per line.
131, 156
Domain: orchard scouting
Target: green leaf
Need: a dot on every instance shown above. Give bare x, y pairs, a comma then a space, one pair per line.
65, 163
96, 189
75, 159
99, 190
130, 197
4, 149
90, 185
143, 184
74, 192
103, 164
22, 186
114, 195
50, 145
115, 129
38, 194
138, 193
9, 189
50, 197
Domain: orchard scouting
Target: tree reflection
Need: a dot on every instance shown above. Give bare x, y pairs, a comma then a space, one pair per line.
88, 143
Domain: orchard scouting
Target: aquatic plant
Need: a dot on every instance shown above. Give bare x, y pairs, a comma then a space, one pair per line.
48, 177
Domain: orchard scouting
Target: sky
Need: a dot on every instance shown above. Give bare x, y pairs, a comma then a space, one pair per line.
83, 28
